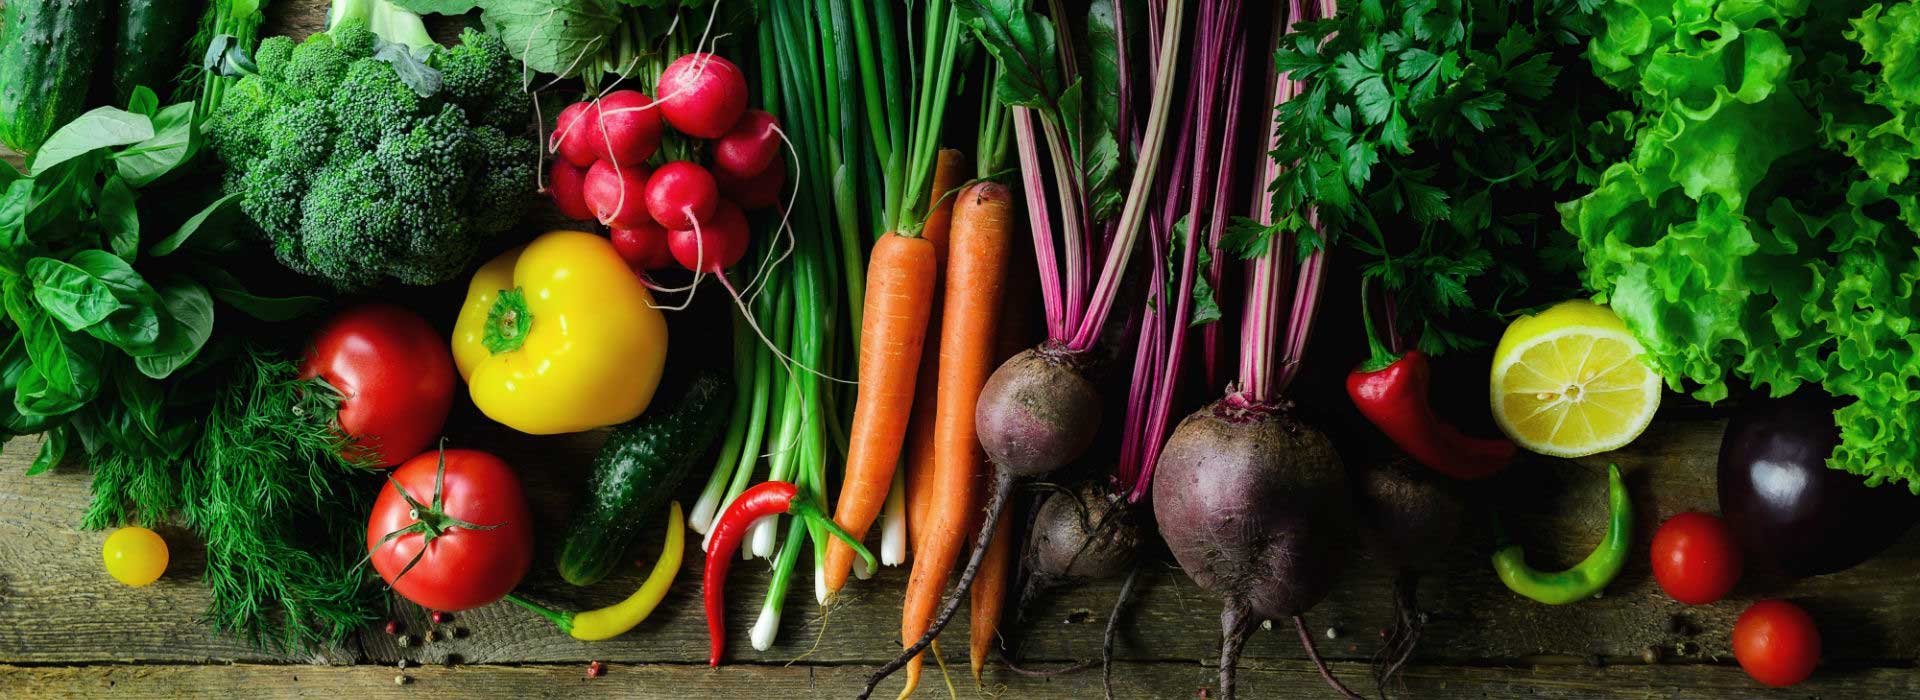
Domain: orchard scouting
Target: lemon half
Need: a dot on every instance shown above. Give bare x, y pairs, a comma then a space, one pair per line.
1569, 382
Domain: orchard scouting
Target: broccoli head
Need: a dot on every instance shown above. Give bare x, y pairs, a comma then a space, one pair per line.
355, 178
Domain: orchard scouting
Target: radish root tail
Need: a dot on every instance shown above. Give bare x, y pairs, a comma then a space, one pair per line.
1002, 490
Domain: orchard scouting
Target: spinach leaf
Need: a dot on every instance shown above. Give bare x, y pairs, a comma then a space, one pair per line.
104, 127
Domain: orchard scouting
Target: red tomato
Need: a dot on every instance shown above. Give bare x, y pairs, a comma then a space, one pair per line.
1695, 558
1776, 643
463, 567
395, 374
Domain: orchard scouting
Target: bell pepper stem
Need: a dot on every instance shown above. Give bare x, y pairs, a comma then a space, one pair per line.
507, 322
564, 621
804, 507
1379, 356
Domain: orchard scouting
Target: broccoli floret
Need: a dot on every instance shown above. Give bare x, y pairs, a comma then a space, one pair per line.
272, 57
482, 77
355, 178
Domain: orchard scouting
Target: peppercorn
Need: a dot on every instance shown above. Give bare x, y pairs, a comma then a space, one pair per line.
596, 669
440, 618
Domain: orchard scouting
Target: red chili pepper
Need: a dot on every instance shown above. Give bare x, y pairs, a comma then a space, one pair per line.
1391, 391
770, 498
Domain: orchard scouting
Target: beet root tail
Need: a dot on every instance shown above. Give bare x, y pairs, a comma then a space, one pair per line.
1313, 654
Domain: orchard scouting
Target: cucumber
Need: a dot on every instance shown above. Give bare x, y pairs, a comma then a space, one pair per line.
147, 50
638, 470
47, 54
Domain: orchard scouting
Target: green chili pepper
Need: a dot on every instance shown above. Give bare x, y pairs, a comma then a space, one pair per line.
1591, 574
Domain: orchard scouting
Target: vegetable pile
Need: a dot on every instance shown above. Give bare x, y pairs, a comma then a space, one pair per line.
1730, 180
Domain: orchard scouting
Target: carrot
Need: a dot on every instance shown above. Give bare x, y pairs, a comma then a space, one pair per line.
900, 283
1019, 330
989, 597
976, 278
947, 171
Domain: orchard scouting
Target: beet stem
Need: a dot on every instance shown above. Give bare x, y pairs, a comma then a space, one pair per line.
1235, 622
1002, 491
1113, 628
1313, 653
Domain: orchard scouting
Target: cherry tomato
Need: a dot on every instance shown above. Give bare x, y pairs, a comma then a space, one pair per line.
395, 375
1695, 559
463, 566
135, 556
1776, 643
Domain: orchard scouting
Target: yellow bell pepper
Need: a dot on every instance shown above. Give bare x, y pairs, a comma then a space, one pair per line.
559, 336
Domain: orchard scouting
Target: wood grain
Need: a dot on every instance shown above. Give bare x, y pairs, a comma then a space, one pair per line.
1289, 679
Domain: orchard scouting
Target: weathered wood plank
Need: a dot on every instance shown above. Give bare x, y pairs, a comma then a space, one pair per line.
57, 606
1290, 679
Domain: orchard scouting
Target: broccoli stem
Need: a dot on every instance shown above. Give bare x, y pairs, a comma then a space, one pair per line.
382, 18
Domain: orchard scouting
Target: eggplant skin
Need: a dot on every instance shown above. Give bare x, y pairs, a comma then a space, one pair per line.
1788, 509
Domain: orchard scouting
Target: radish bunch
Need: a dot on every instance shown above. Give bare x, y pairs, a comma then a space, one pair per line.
679, 212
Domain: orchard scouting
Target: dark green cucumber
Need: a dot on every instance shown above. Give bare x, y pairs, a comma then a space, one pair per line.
147, 50
47, 54
637, 471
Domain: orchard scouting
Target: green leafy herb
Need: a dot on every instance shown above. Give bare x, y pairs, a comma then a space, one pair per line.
1433, 137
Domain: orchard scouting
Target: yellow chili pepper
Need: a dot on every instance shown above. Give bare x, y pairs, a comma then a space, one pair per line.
614, 620
560, 336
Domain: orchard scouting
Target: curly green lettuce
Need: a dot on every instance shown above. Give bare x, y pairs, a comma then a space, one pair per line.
1763, 227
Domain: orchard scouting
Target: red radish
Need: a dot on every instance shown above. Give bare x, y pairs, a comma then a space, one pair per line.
567, 184
644, 247
570, 131
629, 128
680, 193
702, 95
719, 242
748, 148
758, 191
613, 193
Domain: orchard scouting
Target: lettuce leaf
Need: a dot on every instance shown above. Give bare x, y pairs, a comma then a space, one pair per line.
1764, 226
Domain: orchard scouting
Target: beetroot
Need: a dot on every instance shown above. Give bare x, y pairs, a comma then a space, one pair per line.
1413, 515
628, 130
1083, 534
1253, 504
702, 95
680, 193
1037, 412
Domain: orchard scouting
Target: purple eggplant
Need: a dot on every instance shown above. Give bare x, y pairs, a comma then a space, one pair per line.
1787, 508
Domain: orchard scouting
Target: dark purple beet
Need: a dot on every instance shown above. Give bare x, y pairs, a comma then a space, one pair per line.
1082, 534
1412, 513
1036, 412
1788, 509
1253, 505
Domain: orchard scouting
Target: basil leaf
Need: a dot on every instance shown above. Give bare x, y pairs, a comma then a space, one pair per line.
69, 294
189, 324
104, 127
143, 102
141, 397
191, 226
117, 216
227, 289
53, 451
134, 324
171, 144
15, 247
66, 366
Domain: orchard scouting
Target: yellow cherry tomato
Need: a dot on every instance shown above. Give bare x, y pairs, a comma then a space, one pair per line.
560, 336
135, 556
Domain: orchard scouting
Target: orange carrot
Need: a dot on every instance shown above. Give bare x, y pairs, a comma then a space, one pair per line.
947, 171
900, 278
976, 277
1019, 330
